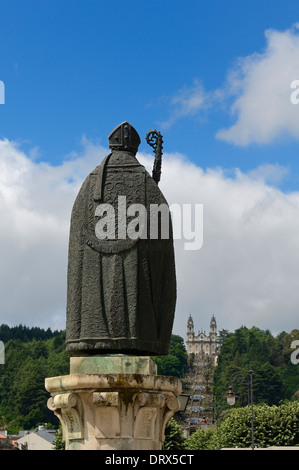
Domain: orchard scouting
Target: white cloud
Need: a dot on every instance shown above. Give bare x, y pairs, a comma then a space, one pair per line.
260, 85
35, 206
247, 270
188, 101
245, 273
261, 92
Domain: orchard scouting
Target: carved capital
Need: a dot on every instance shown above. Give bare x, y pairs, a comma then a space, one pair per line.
105, 398
66, 407
150, 399
172, 405
113, 411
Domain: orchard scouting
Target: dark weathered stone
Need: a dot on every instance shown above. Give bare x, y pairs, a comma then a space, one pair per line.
121, 292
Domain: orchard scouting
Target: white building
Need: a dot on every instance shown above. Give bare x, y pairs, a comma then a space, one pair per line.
40, 439
202, 345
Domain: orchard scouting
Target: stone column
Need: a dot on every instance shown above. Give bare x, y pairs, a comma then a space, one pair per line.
113, 403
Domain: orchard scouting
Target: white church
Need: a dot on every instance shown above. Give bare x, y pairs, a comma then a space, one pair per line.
202, 344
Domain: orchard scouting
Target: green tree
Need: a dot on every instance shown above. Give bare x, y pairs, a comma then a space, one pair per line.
168, 365
173, 436
59, 443
23, 398
273, 426
203, 439
174, 363
177, 348
275, 377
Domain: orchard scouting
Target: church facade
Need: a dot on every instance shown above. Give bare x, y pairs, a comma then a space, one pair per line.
202, 344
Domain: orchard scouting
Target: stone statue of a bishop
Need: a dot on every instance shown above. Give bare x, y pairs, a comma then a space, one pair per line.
121, 291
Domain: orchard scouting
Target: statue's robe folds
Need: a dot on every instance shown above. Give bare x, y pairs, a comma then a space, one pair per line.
121, 293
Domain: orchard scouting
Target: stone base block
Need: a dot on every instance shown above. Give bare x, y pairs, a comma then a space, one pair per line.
113, 411
114, 364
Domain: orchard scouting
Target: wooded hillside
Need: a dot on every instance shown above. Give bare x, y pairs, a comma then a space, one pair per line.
32, 354
35, 355
275, 377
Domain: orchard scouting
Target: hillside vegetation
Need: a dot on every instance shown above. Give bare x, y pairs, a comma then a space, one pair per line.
32, 354
29, 359
275, 377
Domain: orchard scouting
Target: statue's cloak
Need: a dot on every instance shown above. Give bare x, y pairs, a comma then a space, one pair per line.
121, 293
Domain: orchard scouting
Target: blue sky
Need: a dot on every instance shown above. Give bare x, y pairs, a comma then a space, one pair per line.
214, 77
74, 68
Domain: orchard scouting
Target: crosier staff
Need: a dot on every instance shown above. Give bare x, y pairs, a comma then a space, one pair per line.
155, 140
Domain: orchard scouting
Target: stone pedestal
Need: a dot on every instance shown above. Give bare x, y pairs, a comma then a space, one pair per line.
113, 403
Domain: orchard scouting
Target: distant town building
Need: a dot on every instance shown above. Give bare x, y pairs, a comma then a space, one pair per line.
6, 443
39, 439
202, 345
